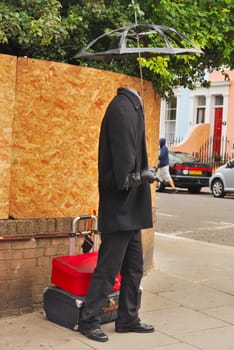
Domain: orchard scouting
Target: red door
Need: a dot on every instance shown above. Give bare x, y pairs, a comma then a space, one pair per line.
217, 131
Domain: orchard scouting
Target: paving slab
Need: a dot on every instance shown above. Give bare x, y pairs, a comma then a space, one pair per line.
34, 332
213, 339
224, 284
178, 346
164, 282
193, 260
153, 301
182, 320
198, 297
224, 313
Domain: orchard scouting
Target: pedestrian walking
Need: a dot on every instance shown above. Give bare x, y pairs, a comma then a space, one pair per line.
163, 172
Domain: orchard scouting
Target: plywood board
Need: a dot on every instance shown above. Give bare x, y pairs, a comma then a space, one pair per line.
58, 111
7, 99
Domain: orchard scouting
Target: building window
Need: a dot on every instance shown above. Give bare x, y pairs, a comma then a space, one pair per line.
200, 109
170, 119
218, 101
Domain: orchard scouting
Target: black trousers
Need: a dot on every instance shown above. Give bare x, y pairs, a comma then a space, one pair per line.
119, 252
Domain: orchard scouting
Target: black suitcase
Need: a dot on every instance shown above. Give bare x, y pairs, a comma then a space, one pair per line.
64, 308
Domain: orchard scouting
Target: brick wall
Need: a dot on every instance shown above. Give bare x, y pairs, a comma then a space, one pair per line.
20, 226
26, 251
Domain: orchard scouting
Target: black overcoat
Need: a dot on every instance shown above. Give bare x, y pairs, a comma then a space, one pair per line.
122, 150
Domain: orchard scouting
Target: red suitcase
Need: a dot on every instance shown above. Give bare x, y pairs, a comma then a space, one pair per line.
73, 272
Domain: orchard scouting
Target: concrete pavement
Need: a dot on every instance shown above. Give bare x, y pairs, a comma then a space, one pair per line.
189, 297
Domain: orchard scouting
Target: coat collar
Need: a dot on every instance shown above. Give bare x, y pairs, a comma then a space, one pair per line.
132, 95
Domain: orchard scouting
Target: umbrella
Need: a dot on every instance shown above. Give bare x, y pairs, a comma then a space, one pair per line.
138, 40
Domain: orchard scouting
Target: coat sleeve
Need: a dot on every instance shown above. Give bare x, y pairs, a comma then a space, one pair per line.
123, 131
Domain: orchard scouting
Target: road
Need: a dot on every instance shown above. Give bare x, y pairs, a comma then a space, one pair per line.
196, 216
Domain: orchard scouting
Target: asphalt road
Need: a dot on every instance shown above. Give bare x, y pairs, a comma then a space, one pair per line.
196, 216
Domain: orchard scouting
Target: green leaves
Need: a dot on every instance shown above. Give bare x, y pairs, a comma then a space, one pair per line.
56, 30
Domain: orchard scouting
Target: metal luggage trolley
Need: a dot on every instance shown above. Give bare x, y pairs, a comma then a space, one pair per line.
90, 234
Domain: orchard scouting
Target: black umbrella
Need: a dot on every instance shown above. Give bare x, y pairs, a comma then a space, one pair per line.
138, 40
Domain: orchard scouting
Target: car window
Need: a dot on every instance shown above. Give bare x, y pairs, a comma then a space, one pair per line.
173, 159
230, 163
181, 157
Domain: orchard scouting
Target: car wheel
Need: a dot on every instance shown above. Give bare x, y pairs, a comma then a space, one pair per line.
194, 189
217, 188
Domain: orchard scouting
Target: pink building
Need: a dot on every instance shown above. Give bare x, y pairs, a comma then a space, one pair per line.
222, 121
202, 116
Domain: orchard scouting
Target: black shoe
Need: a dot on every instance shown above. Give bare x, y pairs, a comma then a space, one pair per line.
94, 334
138, 328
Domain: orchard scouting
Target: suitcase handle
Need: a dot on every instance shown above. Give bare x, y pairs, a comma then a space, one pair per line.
84, 217
74, 233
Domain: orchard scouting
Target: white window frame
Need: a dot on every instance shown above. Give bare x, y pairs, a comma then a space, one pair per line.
200, 110
170, 120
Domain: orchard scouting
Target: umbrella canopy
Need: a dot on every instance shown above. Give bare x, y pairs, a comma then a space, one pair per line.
138, 40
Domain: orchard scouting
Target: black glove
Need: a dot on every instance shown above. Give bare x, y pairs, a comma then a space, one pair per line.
149, 175
132, 180
136, 179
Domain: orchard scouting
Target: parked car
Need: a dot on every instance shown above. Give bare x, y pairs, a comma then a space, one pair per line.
187, 172
222, 181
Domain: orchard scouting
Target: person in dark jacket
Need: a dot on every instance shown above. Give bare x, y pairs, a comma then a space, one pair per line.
124, 209
163, 166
